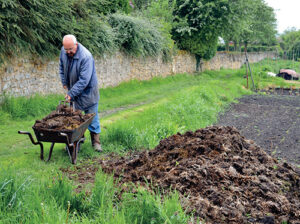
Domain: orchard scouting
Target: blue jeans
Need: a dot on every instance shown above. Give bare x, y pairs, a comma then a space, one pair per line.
95, 125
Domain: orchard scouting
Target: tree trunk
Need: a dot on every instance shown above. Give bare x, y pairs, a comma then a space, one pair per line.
198, 63
227, 46
235, 46
240, 47
246, 44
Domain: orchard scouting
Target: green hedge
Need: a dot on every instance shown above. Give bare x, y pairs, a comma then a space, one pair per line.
33, 26
136, 36
37, 27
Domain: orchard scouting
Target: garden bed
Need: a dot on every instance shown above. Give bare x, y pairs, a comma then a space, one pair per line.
272, 121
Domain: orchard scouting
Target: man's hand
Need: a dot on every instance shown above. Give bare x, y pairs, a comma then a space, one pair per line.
68, 98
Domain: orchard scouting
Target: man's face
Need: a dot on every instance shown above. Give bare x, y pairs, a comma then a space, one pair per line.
70, 47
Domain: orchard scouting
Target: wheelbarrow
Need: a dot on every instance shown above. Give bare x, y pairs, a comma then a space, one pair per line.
72, 138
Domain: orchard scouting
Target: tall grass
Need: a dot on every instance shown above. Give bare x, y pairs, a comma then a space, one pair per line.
27, 200
28, 107
145, 207
260, 69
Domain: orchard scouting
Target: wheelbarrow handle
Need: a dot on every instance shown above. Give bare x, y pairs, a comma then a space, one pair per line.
65, 135
33, 142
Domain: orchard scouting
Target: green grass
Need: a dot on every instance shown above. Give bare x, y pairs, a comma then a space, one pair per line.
33, 191
134, 92
25, 199
27, 107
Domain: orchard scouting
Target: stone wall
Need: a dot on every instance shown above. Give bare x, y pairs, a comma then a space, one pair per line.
24, 76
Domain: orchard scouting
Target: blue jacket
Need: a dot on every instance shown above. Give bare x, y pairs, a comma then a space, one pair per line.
81, 80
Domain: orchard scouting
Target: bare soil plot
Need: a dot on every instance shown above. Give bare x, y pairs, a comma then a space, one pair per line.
272, 121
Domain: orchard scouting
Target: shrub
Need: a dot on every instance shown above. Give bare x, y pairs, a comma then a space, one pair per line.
37, 27
136, 36
95, 35
161, 12
108, 7
140, 4
34, 26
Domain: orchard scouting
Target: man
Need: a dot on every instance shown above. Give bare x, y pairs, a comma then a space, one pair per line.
78, 76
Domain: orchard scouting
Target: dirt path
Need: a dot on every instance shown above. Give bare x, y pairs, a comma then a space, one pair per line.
272, 121
118, 109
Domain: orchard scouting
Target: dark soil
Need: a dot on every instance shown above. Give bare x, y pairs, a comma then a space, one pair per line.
221, 176
63, 118
272, 121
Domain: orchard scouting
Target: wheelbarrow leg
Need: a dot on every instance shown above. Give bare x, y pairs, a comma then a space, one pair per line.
50, 152
76, 148
33, 142
75, 152
69, 149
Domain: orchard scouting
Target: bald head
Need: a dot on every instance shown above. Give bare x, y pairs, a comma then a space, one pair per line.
70, 44
70, 37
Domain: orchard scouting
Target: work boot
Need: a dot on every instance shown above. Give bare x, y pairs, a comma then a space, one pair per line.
95, 139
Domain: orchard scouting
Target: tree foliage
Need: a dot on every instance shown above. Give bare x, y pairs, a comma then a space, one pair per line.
106, 7
198, 24
290, 44
141, 4
161, 13
251, 22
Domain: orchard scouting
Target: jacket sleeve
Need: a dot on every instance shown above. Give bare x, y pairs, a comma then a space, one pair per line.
61, 70
85, 74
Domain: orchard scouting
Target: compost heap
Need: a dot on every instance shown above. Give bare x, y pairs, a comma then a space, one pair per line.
63, 118
221, 176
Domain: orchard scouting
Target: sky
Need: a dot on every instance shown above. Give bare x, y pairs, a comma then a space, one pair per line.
287, 13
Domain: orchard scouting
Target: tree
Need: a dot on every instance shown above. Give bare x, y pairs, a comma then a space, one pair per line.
198, 24
260, 26
251, 22
238, 21
290, 44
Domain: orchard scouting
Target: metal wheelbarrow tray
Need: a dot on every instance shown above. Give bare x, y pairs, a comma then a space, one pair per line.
72, 138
